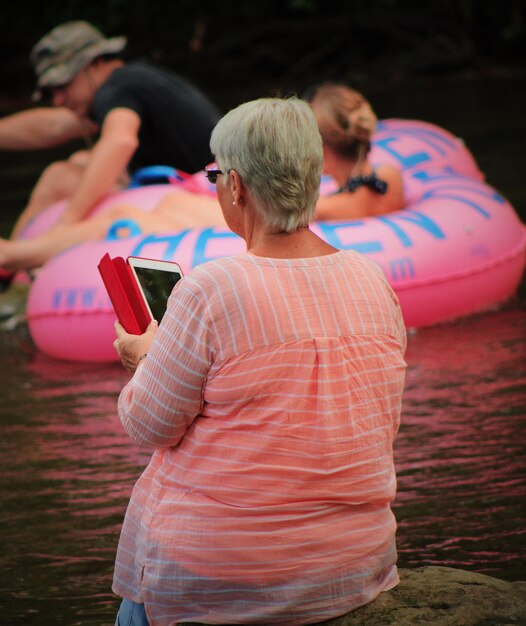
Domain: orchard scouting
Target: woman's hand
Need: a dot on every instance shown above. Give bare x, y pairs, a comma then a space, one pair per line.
133, 348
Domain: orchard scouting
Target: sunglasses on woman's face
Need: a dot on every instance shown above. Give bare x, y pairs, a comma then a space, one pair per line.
212, 173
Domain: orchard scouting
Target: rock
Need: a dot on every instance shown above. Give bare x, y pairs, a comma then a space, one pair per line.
13, 306
443, 596
440, 596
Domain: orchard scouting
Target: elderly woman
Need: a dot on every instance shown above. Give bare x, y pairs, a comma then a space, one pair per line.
347, 122
271, 395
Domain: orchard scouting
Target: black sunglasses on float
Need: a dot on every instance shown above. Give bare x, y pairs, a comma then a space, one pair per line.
212, 173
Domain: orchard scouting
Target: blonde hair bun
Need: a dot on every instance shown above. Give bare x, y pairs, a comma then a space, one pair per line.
362, 123
345, 119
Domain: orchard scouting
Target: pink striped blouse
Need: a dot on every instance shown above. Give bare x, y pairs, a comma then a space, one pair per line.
271, 396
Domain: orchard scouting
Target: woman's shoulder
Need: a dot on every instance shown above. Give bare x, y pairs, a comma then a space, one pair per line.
217, 270
210, 282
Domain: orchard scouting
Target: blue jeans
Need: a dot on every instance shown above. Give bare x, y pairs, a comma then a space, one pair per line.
131, 614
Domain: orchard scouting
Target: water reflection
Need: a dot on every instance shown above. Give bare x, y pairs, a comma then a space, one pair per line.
67, 471
461, 453
67, 468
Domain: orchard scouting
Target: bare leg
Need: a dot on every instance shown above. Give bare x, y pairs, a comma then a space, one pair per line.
30, 253
188, 210
57, 182
175, 212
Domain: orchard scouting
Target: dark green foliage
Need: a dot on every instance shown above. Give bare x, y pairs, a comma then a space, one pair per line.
240, 50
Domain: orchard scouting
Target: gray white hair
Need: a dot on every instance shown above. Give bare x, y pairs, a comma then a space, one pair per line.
275, 147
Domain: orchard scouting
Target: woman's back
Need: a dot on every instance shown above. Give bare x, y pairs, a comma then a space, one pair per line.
283, 484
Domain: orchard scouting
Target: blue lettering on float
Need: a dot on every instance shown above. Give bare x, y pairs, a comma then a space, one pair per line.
330, 234
434, 140
56, 298
68, 298
431, 137
459, 184
205, 236
413, 217
171, 241
88, 297
71, 297
444, 173
437, 193
402, 268
64, 298
447, 194
406, 161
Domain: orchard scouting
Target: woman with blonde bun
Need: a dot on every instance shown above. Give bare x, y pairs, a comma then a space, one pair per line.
346, 123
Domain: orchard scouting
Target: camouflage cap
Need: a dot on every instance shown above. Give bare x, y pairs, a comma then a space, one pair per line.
61, 54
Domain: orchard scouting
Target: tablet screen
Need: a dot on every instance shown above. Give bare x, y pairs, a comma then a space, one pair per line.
157, 285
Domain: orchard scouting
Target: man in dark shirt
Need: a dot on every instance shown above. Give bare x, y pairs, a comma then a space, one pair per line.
142, 114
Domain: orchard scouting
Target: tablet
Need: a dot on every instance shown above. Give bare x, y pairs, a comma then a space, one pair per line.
156, 280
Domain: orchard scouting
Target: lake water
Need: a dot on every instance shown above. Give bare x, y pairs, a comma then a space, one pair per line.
67, 468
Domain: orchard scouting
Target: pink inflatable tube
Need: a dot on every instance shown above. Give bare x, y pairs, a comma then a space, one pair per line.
457, 248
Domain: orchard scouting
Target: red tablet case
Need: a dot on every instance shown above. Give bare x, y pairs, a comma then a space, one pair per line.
124, 294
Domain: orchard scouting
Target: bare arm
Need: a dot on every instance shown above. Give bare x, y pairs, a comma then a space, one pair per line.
109, 159
342, 206
166, 393
363, 202
37, 129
